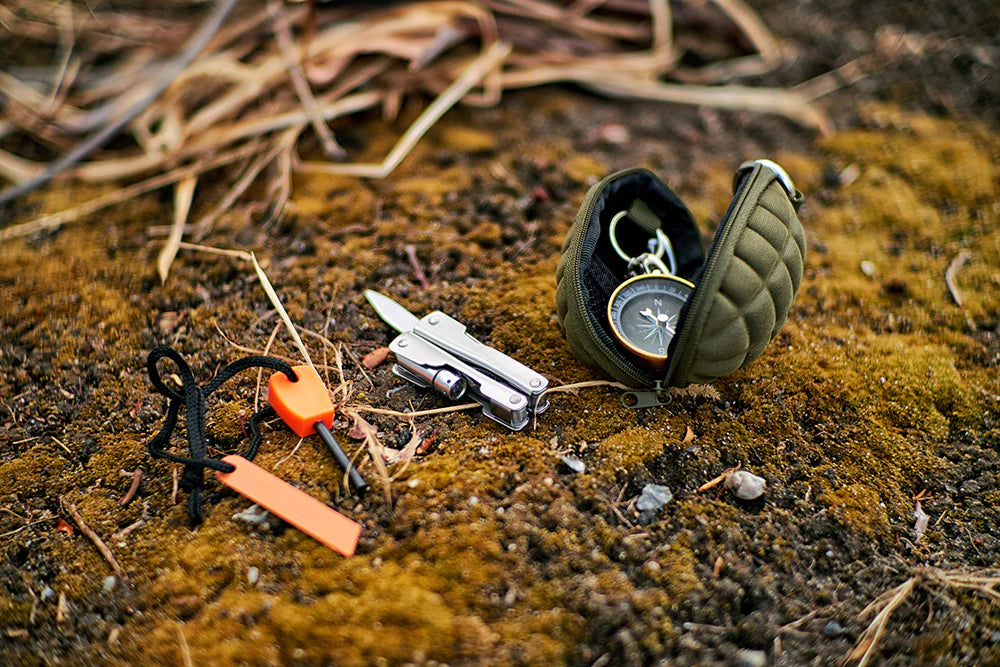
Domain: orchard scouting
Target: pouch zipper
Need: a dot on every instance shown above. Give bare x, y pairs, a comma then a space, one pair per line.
628, 369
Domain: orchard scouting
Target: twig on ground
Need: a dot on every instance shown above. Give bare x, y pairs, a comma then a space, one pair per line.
374, 451
418, 413
796, 624
712, 483
92, 536
62, 608
62, 445
291, 454
418, 272
130, 494
260, 371
124, 532
175, 486
574, 387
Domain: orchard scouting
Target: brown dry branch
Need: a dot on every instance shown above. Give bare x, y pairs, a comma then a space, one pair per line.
92, 536
269, 81
715, 481
132, 489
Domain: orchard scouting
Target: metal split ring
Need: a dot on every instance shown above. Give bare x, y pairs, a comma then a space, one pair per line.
651, 261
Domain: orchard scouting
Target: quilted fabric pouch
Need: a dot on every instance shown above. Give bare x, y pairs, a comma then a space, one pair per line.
744, 285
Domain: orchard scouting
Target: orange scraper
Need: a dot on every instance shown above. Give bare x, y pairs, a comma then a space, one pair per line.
306, 407
296, 507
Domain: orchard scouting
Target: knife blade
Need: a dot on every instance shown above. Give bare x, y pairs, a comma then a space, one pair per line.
395, 315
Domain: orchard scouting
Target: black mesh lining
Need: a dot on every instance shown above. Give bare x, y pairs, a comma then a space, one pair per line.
602, 270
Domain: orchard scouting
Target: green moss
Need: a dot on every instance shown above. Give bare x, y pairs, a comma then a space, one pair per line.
675, 569
14, 614
489, 553
41, 467
859, 508
622, 452
466, 139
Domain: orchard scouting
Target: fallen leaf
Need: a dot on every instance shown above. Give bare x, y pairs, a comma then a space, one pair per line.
64, 527
688, 437
375, 357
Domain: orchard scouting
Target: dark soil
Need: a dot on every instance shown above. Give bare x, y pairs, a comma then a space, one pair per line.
878, 387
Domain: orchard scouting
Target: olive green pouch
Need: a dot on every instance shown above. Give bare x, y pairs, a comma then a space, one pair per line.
744, 285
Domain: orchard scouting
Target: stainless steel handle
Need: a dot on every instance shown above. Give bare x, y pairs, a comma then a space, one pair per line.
448, 333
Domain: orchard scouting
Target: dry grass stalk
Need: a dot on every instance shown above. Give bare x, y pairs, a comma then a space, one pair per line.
575, 387
472, 75
283, 33
246, 82
413, 415
55, 220
183, 196
282, 313
185, 649
931, 579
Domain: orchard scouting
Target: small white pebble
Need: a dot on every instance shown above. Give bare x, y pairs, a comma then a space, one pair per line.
473, 500
746, 485
412, 483
548, 481
850, 174
613, 133
868, 268
252, 575
109, 583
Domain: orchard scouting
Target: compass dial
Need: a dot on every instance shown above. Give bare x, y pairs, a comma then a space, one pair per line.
644, 313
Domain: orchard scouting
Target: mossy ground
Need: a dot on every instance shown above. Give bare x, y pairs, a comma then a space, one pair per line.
878, 387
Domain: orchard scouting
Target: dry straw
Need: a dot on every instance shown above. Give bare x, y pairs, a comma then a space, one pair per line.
243, 87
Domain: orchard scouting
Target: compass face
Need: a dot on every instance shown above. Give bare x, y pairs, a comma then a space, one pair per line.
644, 312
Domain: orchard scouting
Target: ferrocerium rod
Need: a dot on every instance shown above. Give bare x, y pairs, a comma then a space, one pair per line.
353, 476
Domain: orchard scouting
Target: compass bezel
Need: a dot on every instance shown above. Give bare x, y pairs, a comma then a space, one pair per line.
654, 360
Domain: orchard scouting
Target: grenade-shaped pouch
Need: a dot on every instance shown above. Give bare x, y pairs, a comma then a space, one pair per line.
652, 323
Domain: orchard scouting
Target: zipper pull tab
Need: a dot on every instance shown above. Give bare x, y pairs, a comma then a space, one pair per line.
636, 400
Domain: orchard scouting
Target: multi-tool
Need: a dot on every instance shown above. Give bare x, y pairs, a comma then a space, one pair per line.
436, 352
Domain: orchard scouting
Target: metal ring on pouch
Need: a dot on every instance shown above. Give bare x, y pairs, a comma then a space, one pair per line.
662, 242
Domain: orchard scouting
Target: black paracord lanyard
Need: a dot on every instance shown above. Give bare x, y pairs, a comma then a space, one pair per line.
193, 396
